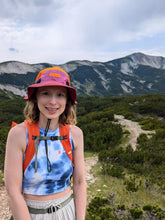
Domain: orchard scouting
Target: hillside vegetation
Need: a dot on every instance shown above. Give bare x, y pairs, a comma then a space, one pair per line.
133, 172
139, 175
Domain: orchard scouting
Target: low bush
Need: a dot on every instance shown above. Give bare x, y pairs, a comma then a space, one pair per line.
136, 213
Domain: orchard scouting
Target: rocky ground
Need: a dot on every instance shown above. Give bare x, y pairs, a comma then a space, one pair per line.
4, 208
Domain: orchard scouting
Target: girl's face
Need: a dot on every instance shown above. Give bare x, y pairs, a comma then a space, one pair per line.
51, 101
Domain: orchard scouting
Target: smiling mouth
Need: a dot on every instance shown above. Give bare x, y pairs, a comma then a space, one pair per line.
52, 109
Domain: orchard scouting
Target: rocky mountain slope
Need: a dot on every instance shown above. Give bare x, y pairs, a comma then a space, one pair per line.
135, 74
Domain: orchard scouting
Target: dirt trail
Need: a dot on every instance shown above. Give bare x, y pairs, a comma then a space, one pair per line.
134, 129
4, 209
89, 163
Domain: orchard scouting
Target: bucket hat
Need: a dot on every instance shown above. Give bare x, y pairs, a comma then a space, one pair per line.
53, 76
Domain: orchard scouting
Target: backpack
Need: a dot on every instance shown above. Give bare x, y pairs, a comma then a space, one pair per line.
34, 131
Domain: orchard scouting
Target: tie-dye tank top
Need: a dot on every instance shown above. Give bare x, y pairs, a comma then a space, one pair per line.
43, 182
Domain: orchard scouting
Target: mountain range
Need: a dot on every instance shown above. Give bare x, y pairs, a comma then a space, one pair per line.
135, 74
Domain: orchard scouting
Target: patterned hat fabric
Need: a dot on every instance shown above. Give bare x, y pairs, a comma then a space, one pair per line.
53, 76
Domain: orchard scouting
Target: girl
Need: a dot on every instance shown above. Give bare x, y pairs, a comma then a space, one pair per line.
44, 151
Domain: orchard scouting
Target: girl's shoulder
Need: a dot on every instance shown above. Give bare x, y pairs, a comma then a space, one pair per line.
77, 136
18, 129
17, 134
76, 130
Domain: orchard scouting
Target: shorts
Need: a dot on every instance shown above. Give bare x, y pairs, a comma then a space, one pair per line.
65, 213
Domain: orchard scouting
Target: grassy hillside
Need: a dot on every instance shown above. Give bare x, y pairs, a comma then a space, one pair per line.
130, 184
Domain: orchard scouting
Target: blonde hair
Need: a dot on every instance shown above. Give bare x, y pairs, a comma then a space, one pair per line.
32, 112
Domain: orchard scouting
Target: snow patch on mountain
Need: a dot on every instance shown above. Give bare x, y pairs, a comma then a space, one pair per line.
128, 84
149, 85
19, 67
106, 85
84, 62
109, 63
126, 89
101, 76
71, 66
125, 69
153, 61
104, 81
108, 70
142, 81
13, 89
77, 85
68, 67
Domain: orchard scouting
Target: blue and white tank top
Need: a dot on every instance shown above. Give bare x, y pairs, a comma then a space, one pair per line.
43, 182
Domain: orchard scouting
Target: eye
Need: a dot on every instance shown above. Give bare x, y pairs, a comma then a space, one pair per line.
44, 93
61, 94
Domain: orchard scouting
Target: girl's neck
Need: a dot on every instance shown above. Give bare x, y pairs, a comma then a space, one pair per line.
53, 123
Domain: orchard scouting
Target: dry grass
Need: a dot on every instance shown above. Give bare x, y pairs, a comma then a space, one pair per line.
114, 187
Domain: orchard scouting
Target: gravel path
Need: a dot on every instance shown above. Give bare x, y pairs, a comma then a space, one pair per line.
134, 129
4, 209
89, 163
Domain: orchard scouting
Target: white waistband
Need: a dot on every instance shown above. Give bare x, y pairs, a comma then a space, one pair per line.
45, 204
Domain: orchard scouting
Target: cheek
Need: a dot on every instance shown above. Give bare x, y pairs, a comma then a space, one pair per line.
63, 101
40, 103
63, 105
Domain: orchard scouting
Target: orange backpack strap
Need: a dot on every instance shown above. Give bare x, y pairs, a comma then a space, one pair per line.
64, 131
13, 124
33, 130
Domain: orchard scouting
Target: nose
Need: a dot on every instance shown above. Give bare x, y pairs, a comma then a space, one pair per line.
53, 99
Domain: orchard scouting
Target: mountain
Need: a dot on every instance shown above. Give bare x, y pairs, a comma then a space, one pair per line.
134, 74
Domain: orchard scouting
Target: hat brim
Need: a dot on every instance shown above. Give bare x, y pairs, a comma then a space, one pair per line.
31, 89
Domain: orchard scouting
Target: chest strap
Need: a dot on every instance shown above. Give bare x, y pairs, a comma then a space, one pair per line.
45, 138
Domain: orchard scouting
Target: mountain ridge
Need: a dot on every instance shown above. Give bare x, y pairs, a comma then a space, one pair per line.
134, 74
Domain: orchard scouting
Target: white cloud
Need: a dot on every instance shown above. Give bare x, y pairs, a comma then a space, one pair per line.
62, 30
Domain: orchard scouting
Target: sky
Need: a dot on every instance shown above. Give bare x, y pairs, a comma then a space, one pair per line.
59, 31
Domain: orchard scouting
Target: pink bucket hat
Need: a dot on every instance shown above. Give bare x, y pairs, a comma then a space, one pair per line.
53, 76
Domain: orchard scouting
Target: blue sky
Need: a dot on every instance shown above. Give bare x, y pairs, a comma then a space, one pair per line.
58, 31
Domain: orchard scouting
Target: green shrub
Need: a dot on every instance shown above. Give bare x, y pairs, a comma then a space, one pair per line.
135, 212
106, 213
99, 209
121, 207
115, 170
131, 184
154, 211
1, 178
